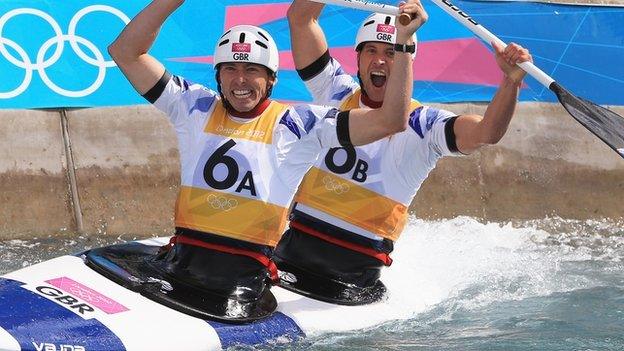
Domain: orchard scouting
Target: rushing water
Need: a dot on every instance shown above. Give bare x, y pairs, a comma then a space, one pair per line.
462, 285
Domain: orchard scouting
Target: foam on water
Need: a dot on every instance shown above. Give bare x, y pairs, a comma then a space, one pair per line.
476, 264
483, 281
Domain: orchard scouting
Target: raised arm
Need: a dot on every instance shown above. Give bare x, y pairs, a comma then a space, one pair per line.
473, 131
130, 48
366, 126
306, 36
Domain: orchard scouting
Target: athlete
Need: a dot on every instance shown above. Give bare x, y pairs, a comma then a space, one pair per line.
352, 205
242, 156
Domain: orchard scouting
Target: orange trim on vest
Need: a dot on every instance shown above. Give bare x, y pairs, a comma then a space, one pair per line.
230, 215
350, 202
352, 101
383, 257
259, 129
264, 260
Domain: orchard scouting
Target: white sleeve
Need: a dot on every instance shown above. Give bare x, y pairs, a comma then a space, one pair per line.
316, 124
435, 128
320, 122
428, 137
185, 103
303, 131
332, 85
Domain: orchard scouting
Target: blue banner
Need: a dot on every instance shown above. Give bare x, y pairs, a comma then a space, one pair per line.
53, 53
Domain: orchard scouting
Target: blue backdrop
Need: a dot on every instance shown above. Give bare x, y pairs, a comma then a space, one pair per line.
53, 53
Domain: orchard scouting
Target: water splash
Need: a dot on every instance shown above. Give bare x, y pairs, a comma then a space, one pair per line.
499, 286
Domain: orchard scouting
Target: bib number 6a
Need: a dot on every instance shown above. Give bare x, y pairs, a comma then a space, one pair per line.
219, 157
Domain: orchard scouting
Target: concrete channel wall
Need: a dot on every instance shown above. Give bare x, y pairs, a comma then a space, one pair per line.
115, 171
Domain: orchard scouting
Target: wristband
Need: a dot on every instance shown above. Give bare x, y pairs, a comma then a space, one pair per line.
410, 49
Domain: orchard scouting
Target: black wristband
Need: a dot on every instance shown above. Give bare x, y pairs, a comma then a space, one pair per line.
342, 128
410, 49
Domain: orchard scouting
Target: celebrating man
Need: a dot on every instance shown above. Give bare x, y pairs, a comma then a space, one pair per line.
242, 157
353, 204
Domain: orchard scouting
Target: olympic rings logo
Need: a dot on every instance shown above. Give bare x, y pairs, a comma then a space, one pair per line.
59, 40
337, 187
222, 203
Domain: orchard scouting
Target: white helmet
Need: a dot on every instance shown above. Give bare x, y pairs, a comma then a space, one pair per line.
377, 27
245, 43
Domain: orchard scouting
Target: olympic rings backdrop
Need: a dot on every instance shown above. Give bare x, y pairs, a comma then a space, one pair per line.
53, 53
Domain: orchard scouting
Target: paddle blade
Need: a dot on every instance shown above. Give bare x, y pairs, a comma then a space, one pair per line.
605, 124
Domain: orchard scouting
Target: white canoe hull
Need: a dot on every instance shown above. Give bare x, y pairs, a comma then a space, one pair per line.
62, 304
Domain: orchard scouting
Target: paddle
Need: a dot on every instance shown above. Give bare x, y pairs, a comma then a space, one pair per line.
605, 124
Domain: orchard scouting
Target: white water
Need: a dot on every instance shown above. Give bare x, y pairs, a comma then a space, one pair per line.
460, 284
439, 260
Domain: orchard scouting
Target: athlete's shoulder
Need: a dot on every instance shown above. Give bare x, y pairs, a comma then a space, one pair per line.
344, 86
179, 97
330, 84
301, 119
336, 68
196, 96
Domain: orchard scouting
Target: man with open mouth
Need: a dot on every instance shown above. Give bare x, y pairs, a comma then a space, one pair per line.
353, 204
